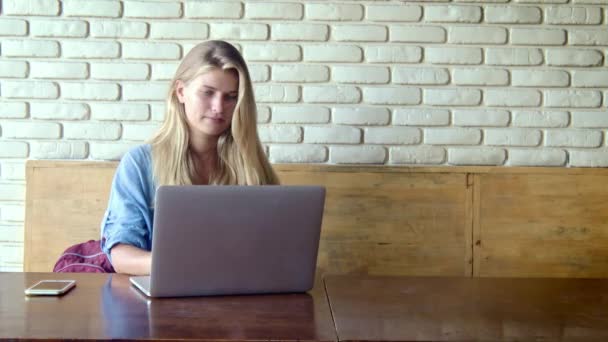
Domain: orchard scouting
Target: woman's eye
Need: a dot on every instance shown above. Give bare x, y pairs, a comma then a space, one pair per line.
208, 93
232, 97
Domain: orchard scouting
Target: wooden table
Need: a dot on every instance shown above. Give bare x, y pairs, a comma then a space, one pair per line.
106, 307
468, 309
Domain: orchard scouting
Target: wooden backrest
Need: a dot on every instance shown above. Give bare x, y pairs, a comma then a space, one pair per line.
457, 221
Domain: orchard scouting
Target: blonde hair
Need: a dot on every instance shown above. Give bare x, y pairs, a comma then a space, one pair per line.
241, 158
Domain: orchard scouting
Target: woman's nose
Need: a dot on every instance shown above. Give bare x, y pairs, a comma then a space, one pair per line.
218, 104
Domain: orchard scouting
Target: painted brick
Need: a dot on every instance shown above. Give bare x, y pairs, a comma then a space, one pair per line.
360, 74
59, 150
120, 71
30, 48
393, 54
274, 10
273, 53
391, 95
93, 131
573, 138
108, 151
588, 158
139, 131
590, 119
360, 116
58, 110
396, 12
13, 213
277, 93
453, 55
392, 135
338, 12
13, 170
573, 57
512, 137
119, 29
214, 9
263, 114
331, 94
239, 31
589, 78
480, 76
573, 98
540, 119
58, 28
565, 15
513, 56
259, 73
534, 157
417, 34
299, 32
406, 75
537, 36
300, 153
300, 114
477, 35
13, 110
474, 117
90, 91
452, 136
542, 1
13, 149
31, 130
452, 14
280, 133
12, 192
13, 27
119, 111
357, 155
30, 89
59, 70
166, 71
92, 8
82, 49
30, 7
176, 30
476, 156
452, 97
512, 15
141, 50
332, 135
359, 33
13, 69
332, 53
300, 73
145, 91
539, 78
512, 97
421, 117
577, 36
143, 9
422, 155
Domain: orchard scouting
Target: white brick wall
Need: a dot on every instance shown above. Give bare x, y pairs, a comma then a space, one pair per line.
430, 82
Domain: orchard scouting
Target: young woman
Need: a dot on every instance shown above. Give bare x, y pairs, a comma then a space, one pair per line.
209, 136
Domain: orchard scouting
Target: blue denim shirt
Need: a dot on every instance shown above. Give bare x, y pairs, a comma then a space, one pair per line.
130, 212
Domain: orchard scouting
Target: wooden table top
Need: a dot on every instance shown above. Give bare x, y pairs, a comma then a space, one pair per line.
106, 307
468, 309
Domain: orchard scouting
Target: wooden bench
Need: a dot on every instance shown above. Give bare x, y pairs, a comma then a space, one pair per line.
456, 221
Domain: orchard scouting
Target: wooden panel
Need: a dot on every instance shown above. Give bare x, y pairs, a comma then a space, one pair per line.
385, 221
542, 225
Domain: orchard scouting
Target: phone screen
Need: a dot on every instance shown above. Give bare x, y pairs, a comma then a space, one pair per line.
51, 285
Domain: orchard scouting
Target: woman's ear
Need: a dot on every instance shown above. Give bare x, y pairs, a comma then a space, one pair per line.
179, 90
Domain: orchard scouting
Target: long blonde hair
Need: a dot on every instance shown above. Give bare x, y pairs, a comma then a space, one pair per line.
241, 158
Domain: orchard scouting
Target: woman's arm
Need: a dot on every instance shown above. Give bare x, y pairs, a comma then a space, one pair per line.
131, 260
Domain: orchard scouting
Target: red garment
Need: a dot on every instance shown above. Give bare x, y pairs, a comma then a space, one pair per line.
85, 257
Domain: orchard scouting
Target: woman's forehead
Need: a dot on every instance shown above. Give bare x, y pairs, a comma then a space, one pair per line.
224, 80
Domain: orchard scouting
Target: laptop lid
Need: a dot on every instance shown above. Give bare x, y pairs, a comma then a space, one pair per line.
223, 240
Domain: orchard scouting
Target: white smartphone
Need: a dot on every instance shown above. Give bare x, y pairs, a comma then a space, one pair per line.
50, 288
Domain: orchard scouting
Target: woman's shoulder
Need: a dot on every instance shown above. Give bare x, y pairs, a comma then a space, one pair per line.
140, 154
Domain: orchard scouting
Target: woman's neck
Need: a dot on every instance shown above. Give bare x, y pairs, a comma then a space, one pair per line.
204, 156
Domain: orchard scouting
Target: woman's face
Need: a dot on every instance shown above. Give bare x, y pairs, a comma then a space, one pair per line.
209, 101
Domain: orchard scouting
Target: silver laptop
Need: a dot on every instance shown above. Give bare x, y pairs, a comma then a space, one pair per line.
226, 240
